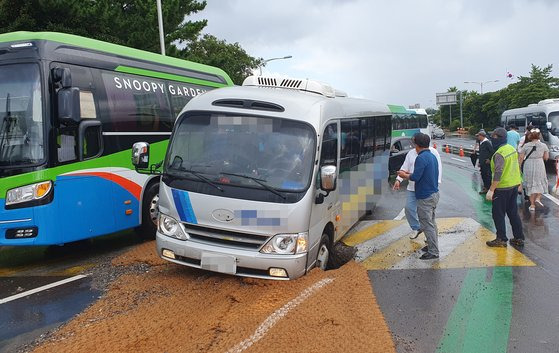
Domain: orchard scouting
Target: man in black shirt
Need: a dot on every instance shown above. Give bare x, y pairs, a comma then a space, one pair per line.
485, 153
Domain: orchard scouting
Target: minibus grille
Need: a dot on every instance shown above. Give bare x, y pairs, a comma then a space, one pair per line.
225, 238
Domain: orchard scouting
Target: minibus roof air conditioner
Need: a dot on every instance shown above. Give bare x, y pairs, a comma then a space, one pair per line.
291, 83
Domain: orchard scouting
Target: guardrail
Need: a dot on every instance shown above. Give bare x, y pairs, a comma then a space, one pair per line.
455, 149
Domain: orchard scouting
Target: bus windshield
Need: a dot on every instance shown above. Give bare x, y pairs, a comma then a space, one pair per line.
21, 116
553, 117
270, 153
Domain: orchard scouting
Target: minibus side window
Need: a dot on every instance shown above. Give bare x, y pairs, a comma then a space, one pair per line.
329, 147
350, 143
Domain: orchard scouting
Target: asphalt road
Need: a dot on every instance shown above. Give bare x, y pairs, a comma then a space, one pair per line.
473, 300
478, 300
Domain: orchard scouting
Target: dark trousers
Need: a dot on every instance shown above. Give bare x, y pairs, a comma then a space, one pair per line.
504, 202
485, 174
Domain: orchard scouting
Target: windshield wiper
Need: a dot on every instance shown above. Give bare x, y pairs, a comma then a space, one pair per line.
199, 176
6, 125
258, 181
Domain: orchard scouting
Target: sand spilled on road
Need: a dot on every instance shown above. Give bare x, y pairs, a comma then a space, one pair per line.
171, 308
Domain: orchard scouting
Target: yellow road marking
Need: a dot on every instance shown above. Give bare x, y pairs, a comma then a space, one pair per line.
472, 252
404, 247
475, 253
72, 271
392, 254
371, 232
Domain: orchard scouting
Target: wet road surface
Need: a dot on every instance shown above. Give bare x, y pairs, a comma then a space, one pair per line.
25, 270
476, 299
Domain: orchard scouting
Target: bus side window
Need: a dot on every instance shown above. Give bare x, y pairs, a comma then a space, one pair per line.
350, 142
67, 146
329, 147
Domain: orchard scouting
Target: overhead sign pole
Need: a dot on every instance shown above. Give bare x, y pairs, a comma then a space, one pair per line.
160, 21
447, 98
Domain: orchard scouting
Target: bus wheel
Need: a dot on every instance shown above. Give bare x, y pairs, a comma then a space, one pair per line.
150, 213
323, 253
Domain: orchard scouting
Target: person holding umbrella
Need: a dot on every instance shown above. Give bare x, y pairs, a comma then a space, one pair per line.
485, 153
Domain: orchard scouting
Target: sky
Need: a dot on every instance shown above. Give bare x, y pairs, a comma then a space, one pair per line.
399, 51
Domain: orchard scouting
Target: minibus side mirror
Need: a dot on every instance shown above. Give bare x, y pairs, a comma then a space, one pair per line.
328, 178
548, 125
140, 155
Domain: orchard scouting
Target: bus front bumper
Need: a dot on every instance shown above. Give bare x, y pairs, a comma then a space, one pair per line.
247, 263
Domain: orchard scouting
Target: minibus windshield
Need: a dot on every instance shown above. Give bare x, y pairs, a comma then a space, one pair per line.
553, 117
21, 116
258, 152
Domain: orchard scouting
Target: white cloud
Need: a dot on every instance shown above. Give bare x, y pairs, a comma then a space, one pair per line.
403, 51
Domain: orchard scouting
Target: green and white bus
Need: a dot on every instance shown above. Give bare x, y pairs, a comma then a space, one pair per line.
70, 110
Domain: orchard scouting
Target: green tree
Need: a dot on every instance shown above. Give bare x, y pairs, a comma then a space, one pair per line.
486, 109
128, 22
230, 57
132, 23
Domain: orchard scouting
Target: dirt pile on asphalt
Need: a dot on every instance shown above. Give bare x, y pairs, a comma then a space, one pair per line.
171, 308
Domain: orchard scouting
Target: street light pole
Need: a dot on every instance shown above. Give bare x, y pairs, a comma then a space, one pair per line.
272, 59
160, 22
481, 84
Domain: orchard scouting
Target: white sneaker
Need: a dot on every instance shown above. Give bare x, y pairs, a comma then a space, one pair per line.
416, 234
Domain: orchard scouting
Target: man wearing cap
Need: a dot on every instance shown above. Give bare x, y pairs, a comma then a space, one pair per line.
485, 153
503, 190
426, 178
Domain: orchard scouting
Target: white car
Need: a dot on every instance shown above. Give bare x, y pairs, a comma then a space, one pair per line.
438, 133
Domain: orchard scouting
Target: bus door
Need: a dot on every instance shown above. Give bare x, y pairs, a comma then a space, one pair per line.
84, 190
326, 207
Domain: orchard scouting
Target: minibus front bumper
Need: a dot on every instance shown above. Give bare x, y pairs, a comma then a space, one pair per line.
248, 263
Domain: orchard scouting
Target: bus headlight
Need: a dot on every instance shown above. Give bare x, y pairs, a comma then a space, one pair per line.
554, 148
170, 227
28, 193
287, 244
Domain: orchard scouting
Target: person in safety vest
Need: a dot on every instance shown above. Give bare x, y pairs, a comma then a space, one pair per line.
504, 190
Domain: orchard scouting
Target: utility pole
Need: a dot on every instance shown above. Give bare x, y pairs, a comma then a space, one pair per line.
160, 21
461, 117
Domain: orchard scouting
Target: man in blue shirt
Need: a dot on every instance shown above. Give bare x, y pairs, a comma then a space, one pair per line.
513, 137
426, 178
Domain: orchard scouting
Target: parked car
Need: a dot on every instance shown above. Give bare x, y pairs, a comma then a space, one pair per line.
398, 152
438, 133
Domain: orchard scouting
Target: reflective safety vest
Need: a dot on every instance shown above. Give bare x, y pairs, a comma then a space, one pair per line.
511, 170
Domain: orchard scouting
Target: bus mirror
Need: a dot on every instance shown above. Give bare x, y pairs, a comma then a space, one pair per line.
90, 139
69, 106
63, 76
548, 125
328, 177
140, 155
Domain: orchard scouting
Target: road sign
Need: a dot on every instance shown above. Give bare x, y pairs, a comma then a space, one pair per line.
447, 98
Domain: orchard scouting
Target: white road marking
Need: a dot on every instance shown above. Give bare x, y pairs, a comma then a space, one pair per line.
400, 215
378, 243
448, 241
552, 198
40, 289
278, 315
459, 160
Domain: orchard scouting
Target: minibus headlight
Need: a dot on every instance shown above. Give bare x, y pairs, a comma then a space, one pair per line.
554, 148
28, 192
287, 244
170, 227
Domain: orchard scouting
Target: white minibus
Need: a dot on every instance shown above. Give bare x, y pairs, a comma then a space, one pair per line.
544, 115
261, 180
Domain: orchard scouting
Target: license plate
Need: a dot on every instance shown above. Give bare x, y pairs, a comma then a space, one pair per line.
219, 263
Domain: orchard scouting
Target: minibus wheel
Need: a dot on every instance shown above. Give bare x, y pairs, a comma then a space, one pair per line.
150, 212
323, 253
